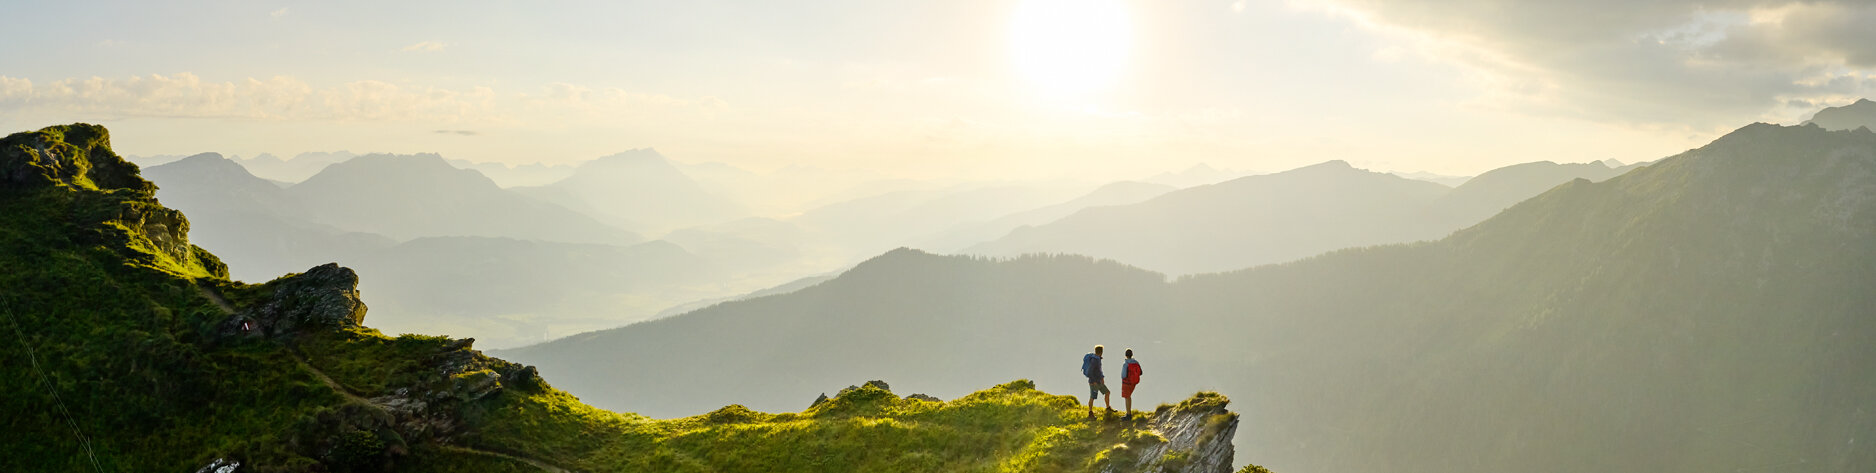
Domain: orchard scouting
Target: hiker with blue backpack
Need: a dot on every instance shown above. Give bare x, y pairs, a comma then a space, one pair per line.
1097, 384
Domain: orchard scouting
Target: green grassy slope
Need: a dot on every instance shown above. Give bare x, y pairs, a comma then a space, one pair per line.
161, 363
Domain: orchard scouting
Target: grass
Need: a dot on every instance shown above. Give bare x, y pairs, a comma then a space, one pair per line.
1010, 427
104, 294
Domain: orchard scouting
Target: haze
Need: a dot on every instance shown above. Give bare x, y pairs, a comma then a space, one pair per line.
1405, 235
1093, 90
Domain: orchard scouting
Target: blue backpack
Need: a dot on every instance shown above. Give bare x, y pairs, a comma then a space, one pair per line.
1087, 365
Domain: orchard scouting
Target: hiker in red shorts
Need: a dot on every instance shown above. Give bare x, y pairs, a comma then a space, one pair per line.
1129, 376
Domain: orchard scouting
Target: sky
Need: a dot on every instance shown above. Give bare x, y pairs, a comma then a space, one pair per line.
989, 89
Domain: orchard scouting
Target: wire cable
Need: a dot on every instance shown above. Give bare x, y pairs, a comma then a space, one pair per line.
60, 402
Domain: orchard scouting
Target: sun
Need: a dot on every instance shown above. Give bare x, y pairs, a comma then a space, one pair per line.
1070, 47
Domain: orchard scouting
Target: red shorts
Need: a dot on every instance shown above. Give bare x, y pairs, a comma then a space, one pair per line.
1126, 390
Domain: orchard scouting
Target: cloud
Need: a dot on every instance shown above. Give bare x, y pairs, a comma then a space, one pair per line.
1699, 62
457, 132
279, 98
425, 47
284, 98
278, 13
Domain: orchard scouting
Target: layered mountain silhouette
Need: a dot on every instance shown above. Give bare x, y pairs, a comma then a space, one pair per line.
1284, 216
1116, 193
1859, 114
867, 226
507, 175
298, 168
638, 189
1709, 312
251, 220
503, 289
412, 196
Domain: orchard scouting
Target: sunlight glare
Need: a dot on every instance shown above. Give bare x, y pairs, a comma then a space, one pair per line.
1070, 47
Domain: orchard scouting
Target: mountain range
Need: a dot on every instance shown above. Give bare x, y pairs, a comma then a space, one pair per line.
1284, 216
132, 350
1711, 311
412, 196
505, 289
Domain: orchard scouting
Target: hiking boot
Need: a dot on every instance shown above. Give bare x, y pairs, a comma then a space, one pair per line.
1128, 418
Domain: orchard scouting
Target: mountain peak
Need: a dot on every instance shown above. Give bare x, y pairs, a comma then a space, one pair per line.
1848, 117
1328, 168
209, 166
633, 156
422, 167
204, 157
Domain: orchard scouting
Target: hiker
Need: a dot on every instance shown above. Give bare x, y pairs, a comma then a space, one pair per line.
1097, 384
1129, 377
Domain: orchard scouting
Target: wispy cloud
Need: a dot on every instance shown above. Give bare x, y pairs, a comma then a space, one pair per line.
1645, 62
278, 98
426, 47
457, 132
287, 98
278, 13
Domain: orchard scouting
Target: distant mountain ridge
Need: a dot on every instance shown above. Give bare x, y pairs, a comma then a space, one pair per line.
411, 196
1859, 114
518, 288
1707, 311
638, 189
1283, 216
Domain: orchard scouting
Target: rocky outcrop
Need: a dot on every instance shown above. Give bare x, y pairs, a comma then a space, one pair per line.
1193, 436
325, 297
874, 383
114, 206
77, 155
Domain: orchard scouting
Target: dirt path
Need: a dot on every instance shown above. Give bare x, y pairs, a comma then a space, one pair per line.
336, 387
347, 393
215, 296
229, 309
529, 461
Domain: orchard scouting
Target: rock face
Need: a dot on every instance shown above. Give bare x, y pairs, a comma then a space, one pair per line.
123, 216
1196, 437
323, 297
76, 155
874, 383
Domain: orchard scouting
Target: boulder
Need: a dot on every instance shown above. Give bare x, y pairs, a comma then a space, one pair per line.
325, 297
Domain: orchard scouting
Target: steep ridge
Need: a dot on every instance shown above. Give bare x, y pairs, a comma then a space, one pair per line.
1711, 311
146, 357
